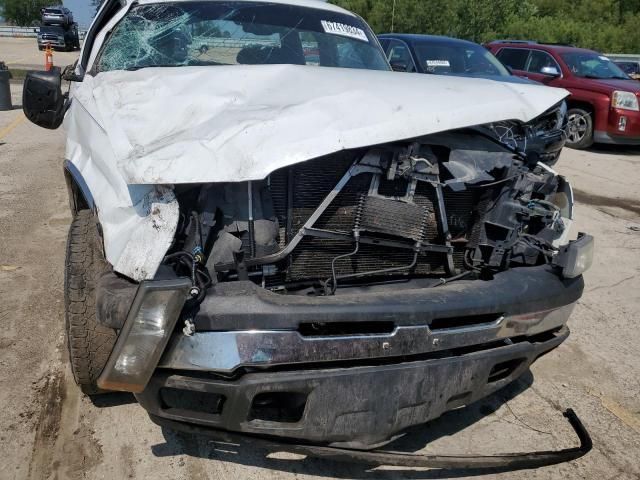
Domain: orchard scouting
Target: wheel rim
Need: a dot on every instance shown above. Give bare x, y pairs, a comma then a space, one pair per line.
577, 128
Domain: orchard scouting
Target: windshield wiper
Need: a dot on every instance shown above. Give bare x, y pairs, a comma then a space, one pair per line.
160, 65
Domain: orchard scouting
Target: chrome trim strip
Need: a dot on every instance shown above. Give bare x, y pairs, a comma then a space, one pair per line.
226, 351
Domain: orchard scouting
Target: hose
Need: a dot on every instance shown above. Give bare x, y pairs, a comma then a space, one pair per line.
184, 263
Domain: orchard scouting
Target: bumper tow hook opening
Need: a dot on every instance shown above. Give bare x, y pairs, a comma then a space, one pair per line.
502, 462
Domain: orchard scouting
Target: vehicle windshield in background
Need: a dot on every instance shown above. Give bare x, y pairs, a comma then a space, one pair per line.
630, 68
238, 33
593, 65
56, 30
450, 59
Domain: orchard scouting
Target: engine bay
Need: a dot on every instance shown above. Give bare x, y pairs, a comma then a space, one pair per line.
444, 207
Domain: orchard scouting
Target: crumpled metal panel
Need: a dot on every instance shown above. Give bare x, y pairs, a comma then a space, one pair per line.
130, 132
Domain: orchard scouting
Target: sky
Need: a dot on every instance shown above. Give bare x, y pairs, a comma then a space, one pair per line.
82, 11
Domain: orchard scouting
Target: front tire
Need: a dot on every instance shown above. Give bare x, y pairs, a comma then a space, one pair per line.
579, 129
89, 343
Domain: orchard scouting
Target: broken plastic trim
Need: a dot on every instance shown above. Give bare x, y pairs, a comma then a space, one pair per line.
505, 461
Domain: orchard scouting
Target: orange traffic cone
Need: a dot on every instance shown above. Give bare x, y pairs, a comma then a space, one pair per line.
48, 58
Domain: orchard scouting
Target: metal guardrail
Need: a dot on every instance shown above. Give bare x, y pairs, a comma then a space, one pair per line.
26, 32
7, 31
624, 57
213, 42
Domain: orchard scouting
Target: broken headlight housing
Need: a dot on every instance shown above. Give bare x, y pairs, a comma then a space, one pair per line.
145, 334
576, 257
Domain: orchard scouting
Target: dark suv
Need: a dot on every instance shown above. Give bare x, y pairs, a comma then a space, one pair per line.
58, 37
604, 106
437, 55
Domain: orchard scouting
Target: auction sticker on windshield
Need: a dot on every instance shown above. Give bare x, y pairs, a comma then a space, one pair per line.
344, 30
438, 63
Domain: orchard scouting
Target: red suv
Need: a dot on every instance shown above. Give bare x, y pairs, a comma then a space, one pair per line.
604, 101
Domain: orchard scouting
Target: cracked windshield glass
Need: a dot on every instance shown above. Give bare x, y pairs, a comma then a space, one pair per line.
238, 33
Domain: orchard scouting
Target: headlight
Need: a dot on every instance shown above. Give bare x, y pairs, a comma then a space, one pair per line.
576, 257
145, 334
625, 101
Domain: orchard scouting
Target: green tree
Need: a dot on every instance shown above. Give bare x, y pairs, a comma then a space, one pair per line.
24, 12
605, 25
96, 4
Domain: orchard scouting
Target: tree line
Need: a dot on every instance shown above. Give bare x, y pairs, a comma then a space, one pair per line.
24, 12
604, 25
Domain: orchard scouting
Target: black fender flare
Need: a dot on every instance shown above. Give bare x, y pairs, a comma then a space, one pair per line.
80, 197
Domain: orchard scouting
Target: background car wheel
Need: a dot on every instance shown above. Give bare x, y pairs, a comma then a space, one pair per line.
89, 343
579, 128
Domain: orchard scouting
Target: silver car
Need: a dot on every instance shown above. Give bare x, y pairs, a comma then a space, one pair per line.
57, 16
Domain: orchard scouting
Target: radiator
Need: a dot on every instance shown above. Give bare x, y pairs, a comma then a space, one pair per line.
297, 192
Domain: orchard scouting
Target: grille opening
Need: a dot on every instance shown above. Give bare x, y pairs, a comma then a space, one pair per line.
345, 329
284, 407
189, 400
497, 232
502, 370
461, 322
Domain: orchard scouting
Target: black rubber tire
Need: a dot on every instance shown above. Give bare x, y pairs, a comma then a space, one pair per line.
89, 343
587, 140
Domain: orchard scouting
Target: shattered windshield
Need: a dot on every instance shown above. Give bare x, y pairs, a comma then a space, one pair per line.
238, 33
593, 65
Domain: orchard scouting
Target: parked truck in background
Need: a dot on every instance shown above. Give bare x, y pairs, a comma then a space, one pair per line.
58, 30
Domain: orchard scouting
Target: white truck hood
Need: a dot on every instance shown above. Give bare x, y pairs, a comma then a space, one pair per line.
133, 134
237, 123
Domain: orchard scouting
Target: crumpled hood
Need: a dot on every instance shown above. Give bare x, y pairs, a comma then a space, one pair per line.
239, 123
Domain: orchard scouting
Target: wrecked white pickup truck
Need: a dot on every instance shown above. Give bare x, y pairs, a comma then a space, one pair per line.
276, 235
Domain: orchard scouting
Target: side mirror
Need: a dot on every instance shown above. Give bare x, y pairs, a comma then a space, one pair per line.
399, 66
43, 102
550, 71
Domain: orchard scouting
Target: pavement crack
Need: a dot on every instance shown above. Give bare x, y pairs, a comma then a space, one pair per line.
617, 284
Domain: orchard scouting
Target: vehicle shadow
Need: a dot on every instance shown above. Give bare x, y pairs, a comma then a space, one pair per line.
417, 438
114, 399
625, 150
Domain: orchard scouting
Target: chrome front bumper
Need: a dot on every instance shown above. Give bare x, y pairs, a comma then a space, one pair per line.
225, 352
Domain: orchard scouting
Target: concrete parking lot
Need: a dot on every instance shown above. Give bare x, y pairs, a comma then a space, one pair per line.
48, 429
23, 53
